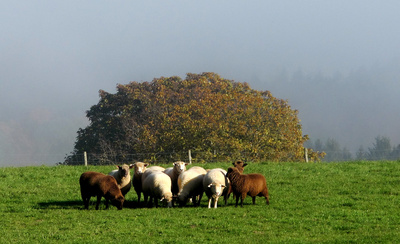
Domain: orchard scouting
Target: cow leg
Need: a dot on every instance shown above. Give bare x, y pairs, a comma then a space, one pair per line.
98, 202
200, 196
106, 203
139, 194
156, 202
86, 201
237, 200
150, 202
215, 202
242, 198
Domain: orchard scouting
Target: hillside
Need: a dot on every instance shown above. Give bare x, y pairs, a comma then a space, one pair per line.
321, 202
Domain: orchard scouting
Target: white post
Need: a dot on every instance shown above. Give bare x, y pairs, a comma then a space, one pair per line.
190, 157
85, 157
306, 154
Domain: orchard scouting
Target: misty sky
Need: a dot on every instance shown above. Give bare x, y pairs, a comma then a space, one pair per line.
337, 62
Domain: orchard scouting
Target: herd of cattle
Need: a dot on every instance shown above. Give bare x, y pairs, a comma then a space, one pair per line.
172, 185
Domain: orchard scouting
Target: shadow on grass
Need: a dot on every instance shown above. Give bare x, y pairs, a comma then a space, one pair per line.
78, 204
73, 204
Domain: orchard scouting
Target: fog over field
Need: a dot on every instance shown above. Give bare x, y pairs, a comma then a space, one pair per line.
337, 62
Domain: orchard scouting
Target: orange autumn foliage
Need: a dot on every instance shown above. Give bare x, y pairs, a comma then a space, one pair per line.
203, 113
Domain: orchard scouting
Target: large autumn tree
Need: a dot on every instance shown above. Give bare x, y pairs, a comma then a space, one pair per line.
205, 113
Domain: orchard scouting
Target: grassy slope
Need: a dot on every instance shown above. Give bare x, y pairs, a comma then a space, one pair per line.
329, 202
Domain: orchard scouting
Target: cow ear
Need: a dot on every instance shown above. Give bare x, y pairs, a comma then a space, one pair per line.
186, 163
145, 165
117, 166
209, 185
244, 164
161, 199
222, 185
131, 166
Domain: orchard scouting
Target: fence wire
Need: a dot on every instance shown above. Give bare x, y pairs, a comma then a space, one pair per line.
154, 158
169, 157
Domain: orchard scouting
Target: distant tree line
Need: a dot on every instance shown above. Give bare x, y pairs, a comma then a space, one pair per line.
380, 150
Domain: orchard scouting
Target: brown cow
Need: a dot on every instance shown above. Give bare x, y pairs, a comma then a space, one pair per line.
100, 185
247, 184
240, 166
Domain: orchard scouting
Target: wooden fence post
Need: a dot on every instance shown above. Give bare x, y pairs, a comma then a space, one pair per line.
306, 154
85, 157
190, 157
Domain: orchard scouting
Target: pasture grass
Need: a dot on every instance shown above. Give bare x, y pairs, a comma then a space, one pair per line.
354, 202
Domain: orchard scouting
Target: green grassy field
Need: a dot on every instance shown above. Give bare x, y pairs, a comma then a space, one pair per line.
355, 202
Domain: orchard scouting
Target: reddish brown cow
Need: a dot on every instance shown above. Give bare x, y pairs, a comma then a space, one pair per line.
100, 185
247, 184
240, 166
